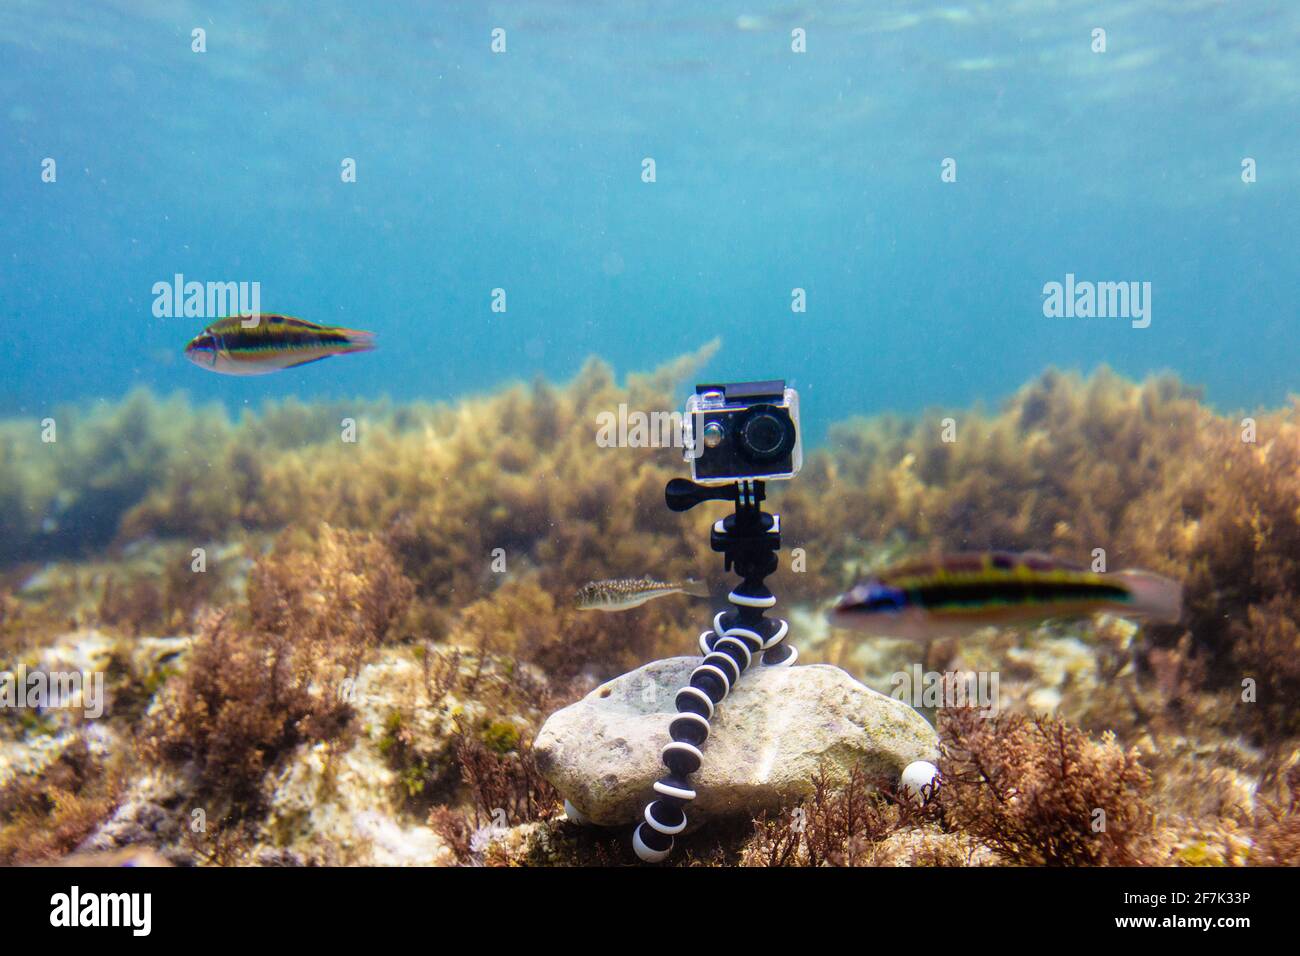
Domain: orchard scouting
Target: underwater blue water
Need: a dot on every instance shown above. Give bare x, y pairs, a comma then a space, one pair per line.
775, 170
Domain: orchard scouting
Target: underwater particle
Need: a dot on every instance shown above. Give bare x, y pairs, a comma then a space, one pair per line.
952, 595
919, 781
612, 264
623, 594
752, 23
272, 343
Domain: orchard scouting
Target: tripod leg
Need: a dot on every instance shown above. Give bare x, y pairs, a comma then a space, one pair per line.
725, 659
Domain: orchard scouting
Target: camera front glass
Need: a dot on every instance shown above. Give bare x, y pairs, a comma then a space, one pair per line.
764, 433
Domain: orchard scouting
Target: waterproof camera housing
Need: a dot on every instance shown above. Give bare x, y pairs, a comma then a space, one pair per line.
743, 431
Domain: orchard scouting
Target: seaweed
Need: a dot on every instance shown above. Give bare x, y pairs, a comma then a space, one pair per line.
44, 816
450, 486
460, 531
835, 826
505, 790
252, 690
421, 779
506, 781
1276, 825
1040, 792
524, 620
64, 497
1267, 650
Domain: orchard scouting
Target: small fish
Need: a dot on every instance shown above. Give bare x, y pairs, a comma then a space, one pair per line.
274, 343
623, 594
953, 595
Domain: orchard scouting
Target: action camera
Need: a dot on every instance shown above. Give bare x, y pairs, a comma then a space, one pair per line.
744, 431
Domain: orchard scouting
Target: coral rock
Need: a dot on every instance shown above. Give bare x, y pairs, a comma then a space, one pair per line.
767, 740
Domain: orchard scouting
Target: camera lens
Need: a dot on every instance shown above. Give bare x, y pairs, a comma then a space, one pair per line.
765, 433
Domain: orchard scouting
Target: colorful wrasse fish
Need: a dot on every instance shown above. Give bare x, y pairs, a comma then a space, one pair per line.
274, 343
623, 594
952, 595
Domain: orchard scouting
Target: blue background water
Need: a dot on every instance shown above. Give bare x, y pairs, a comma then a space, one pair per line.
775, 170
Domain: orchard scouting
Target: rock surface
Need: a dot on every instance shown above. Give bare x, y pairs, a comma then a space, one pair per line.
767, 740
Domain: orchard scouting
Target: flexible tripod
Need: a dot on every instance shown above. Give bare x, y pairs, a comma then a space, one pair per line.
749, 541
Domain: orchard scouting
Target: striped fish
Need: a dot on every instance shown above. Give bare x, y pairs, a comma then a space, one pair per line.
952, 595
274, 343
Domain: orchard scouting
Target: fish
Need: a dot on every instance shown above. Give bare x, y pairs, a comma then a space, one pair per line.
953, 595
623, 594
276, 342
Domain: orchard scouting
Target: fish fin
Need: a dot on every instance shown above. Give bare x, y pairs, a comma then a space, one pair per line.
1062, 564
271, 320
695, 587
319, 358
358, 341
1154, 597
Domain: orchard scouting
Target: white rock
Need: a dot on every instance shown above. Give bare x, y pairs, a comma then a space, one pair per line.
767, 740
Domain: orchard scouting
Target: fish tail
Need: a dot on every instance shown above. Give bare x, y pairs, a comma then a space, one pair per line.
1154, 597
695, 587
358, 341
